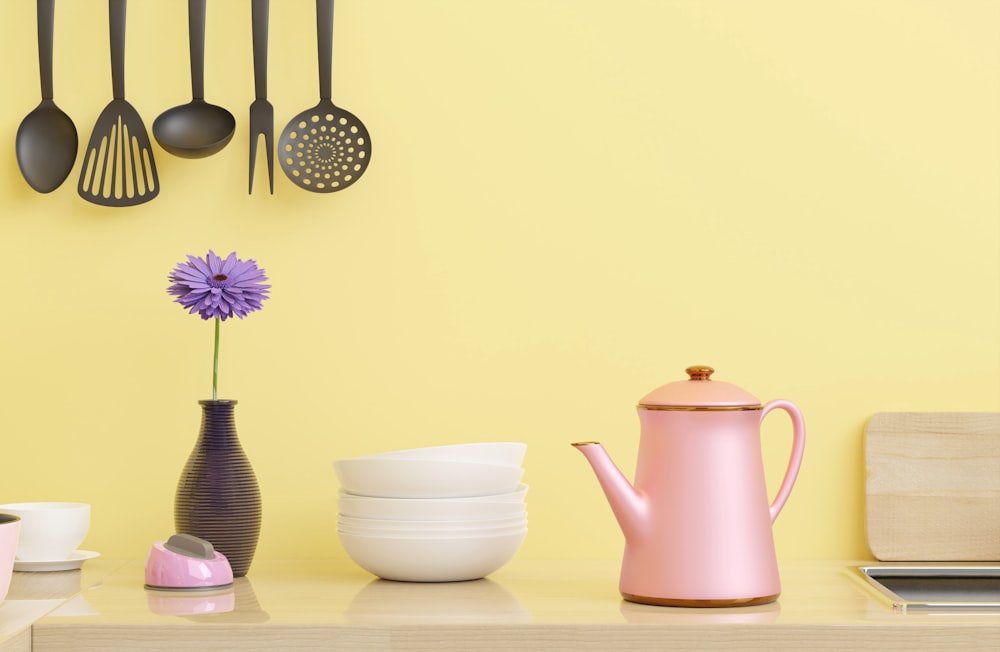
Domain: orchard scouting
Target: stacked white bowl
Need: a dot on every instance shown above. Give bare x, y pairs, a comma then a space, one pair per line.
436, 514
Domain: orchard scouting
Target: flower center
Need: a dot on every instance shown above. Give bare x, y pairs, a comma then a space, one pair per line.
220, 277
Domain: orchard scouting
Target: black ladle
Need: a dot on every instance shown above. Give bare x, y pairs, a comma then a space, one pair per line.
196, 129
46, 141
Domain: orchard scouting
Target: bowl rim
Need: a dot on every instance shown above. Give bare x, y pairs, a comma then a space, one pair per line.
515, 496
421, 461
516, 533
45, 506
419, 450
362, 521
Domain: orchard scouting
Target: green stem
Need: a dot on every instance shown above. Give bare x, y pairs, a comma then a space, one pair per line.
215, 364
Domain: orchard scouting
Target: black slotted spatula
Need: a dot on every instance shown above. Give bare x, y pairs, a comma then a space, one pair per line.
118, 167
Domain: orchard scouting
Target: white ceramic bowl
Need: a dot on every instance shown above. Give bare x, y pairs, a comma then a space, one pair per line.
432, 559
504, 453
425, 509
431, 526
402, 478
50, 531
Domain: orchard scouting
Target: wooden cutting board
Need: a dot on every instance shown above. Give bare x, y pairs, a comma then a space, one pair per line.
932, 486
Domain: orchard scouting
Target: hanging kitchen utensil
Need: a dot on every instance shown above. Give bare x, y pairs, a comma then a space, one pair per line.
118, 166
325, 148
46, 142
261, 111
196, 129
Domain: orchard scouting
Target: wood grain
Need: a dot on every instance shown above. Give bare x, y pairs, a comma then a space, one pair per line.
937, 637
933, 486
20, 642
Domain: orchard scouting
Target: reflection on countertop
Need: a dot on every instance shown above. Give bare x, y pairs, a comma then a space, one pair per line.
472, 602
306, 604
33, 595
653, 615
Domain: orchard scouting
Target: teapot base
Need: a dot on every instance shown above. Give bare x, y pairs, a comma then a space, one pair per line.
685, 602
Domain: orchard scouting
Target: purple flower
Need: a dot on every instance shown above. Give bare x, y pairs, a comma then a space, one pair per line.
217, 288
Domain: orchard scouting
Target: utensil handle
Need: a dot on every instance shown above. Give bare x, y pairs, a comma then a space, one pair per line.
196, 38
259, 19
46, 20
798, 446
116, 19
324, 42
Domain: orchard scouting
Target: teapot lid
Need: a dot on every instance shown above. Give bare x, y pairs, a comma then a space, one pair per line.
699, 390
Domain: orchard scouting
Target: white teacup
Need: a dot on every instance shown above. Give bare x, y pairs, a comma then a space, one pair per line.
49, 531
10, 526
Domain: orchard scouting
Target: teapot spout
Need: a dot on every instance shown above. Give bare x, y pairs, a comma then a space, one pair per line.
628, 505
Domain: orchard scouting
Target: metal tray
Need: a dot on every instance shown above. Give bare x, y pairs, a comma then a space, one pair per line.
936, 587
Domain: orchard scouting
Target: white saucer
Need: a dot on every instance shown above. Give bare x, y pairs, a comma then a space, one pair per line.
74, 561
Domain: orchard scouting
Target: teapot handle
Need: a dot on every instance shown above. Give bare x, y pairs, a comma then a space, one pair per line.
798, 445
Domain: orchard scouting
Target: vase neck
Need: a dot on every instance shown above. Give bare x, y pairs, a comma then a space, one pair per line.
218, 417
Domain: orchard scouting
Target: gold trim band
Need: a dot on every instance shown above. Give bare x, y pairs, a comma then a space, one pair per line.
700, 408
684, 602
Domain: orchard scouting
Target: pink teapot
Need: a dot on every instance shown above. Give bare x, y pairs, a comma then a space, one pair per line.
697, 522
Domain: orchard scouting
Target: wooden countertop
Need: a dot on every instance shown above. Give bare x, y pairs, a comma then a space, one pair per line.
33, 595
527, 605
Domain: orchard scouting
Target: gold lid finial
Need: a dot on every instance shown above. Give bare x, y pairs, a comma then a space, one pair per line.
699, 372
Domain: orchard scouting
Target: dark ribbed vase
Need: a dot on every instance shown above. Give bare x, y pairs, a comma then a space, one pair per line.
218, 498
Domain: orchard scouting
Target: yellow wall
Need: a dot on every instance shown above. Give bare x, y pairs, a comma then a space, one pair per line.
568, 203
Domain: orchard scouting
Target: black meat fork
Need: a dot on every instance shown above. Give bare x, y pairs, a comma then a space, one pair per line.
261, 111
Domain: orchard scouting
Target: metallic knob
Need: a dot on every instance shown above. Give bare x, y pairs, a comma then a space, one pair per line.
699, 372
